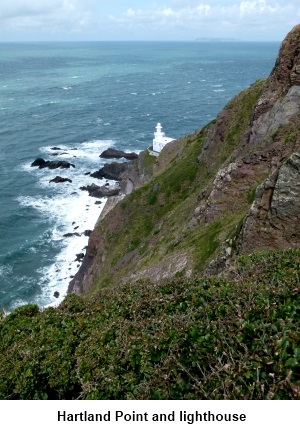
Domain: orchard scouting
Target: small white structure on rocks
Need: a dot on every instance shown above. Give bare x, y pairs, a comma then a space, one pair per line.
159, 141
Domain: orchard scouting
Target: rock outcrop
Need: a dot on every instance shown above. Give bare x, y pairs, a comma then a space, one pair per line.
57, 164
101, 191
273, 220
59, 180
111, 171
116, 153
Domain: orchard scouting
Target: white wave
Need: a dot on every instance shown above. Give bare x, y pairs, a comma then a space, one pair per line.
71, 214
68, 209
58, 276
5, 270
218, 91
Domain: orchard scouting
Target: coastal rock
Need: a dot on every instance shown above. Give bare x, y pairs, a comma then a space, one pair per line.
59, 179
90, 188
56, 294
100, 191
105, 192
115, 153
71, 234
56, 148
274, 218
79, 257
87, 233
42, 164
111, 171
38, 162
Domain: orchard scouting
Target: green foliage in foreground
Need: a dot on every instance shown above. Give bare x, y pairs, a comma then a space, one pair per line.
186, 339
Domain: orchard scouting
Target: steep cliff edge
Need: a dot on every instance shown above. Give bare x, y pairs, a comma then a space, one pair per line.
197, 205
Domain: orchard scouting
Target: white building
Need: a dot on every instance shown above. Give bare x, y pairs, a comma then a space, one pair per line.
159, 141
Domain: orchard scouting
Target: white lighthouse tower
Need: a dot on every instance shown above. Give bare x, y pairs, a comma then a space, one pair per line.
160, 140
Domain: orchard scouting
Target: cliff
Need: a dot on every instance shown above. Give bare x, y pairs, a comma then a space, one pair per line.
211, 195
189, 288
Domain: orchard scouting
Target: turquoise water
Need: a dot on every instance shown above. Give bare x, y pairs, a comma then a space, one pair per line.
83, 98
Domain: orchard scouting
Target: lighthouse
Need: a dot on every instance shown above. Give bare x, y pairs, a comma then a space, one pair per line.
160, 140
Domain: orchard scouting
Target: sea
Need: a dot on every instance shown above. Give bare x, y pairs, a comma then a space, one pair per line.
85, 97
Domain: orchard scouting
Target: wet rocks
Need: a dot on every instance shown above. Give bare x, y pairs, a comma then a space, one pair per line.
42, 164
38, 162
115, 153
79, 257
100, 191
87, 233
71, 234
59, 179
111, 171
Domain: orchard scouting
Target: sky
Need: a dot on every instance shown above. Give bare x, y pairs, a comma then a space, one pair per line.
103, 20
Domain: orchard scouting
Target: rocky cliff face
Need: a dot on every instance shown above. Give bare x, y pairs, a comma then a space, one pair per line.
231, 188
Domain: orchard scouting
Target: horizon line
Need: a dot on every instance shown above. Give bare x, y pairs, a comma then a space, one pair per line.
197, 40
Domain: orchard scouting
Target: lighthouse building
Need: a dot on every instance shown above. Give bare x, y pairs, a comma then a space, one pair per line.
159, 141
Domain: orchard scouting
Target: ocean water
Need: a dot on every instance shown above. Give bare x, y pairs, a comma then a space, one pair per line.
84, 98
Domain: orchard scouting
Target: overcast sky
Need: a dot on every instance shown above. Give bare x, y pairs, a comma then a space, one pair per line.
51, 20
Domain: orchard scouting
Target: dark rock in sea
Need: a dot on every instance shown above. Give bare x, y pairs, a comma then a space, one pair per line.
75, 228
56, 148
71, 234
104, 192
59, 179
73, 221
79, 257
38, 162
90, 188
74, 149
56, 294
54, 154
87, 232
97, 191
115, 153
74, 194
110, 171
57, 164
98, 202
41, 163
87, 173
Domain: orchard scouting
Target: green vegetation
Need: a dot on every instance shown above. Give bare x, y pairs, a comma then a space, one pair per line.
290, 138
185, 339
251, 194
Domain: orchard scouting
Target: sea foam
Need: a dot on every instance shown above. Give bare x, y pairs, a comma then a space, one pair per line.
69, 210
